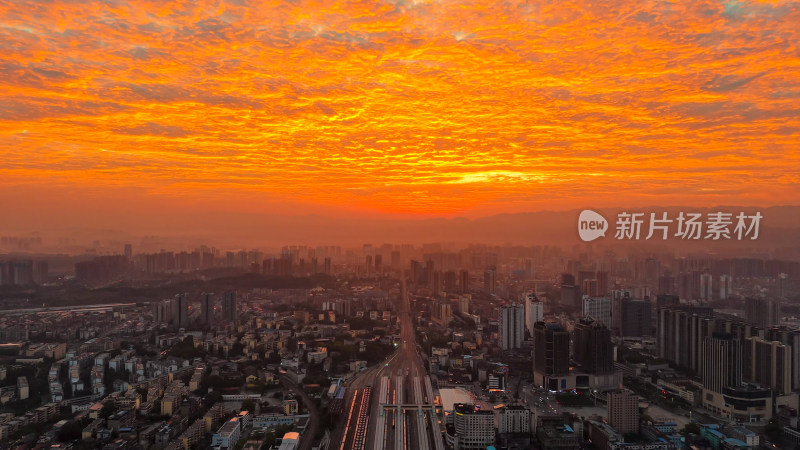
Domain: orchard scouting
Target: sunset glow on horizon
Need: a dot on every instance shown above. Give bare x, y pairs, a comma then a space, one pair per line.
400, 107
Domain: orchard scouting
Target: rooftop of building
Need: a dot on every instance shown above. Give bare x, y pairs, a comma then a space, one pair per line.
515, 407
452, 396
736, 443
468, 408
555, 326
743, 431
229, 426
291, 435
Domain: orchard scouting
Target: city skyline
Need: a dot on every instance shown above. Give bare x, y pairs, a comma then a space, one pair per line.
399, 224
395, 110
34, 232
402, 346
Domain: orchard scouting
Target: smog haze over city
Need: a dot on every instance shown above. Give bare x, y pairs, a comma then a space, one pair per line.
400, 224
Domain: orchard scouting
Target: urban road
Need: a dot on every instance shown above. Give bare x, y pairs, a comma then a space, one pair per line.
308, 436
391, 406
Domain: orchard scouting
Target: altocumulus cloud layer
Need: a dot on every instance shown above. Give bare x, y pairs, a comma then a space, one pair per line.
435, 107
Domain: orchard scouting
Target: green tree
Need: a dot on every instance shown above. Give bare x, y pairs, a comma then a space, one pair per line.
212, 398
772, 430
249, 405
107, 410
186, 349
692, 428
237, 349
142, 390
71, 430
362, 323
273, 358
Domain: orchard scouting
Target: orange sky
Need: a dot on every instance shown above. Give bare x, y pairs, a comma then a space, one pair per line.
418, 108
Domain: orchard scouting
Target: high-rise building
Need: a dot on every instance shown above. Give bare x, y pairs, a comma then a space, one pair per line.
473, 427
761, 312
689, 285
162, 312
652, 267
175, 310
768, 363
182, 309
680, 333
490, 280
705, 286
277, 266
19, 273
592, 348
589, 287
598, 309
229, 312
450, 281
723, 391
534, 311
739, 329
667, 300
722, 362
326, 266
529, 269
570, 293
666, 285
636, 318
550, 349
463, 304
791, 338
437, 283
40, 272
463, 281
395, 259
416, 272
602, 283
443, 313
617, 297
207, 308
23, 390
101, 269
512, 326
584, 275
623, 411
782, 286
514, 419
129, 251
379, 264
725, 286
429, 271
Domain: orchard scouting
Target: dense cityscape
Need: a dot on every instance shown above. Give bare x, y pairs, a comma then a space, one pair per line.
390, 346
399, 225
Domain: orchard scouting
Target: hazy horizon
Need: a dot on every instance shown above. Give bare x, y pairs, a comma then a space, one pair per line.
249, 230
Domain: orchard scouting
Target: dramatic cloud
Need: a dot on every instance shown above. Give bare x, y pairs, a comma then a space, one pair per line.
424, 107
